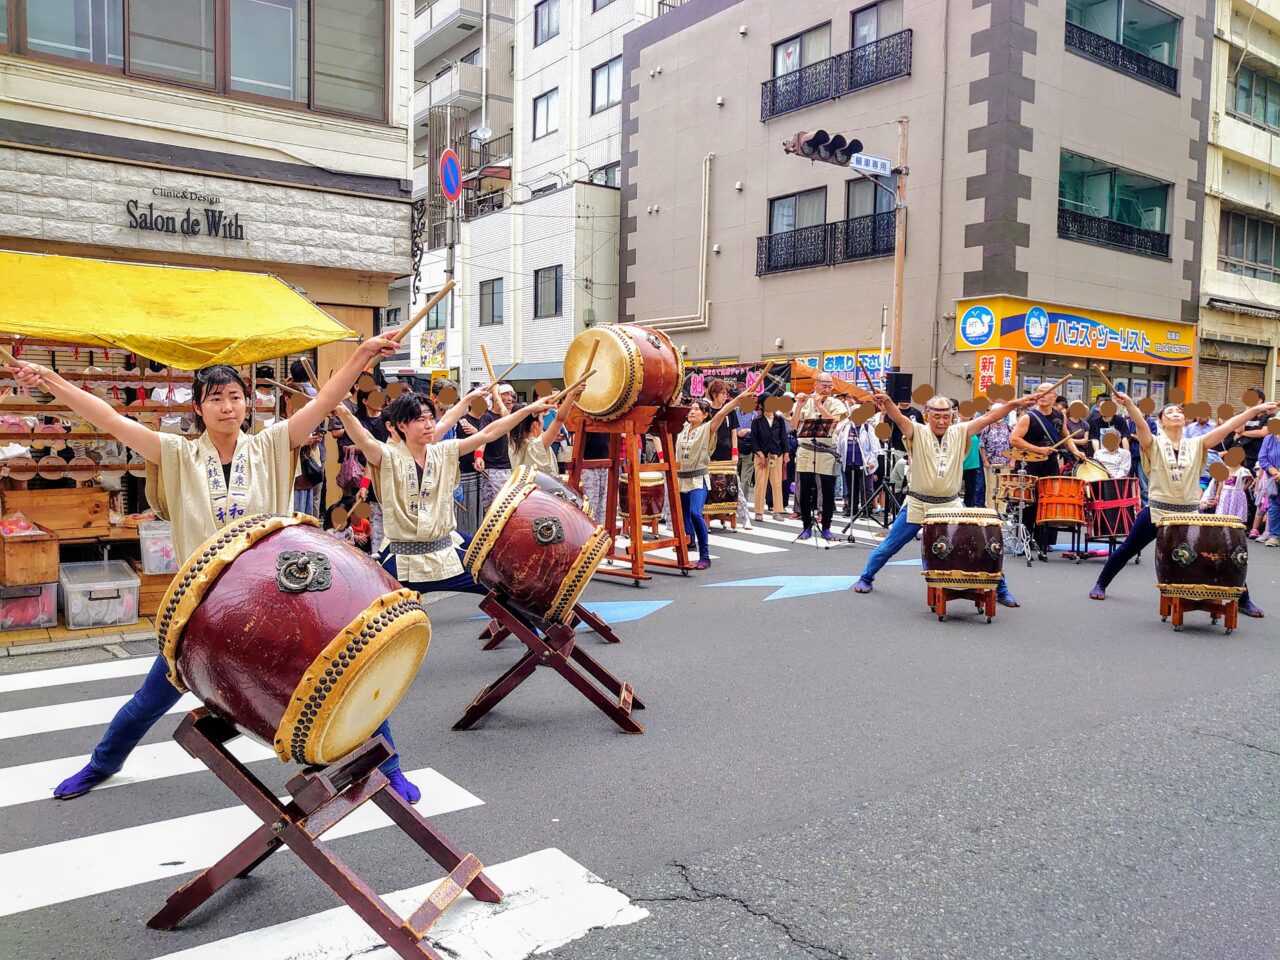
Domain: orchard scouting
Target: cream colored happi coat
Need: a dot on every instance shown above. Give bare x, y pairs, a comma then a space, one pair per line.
1173, 476
693, 448
535, 454
823, 459
420, 511
189, 491
937, 467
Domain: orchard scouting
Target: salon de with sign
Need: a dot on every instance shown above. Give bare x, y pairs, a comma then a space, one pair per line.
1028, 343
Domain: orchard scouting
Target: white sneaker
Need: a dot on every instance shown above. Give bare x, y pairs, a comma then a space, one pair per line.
747, 524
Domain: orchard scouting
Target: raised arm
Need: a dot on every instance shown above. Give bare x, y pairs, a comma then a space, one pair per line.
500, 428
1222, 430
890, 409
303, 423
550, 434
724, 411
95, 410
995, 414
457, 412
362, 438
1140, 428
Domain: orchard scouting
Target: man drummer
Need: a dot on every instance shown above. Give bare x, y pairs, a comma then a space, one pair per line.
814, 419
1040, 431
937, 450
1173, 462
414, 479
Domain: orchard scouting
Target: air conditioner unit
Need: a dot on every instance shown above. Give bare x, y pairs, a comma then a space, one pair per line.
589, 317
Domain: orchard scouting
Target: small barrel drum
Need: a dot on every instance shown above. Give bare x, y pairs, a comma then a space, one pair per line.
537, 547
653, 496
298, 639
1201, 556
722, 498
963, 548
635, 367
1090, 471
1113, 505
1016, 488
1060, 502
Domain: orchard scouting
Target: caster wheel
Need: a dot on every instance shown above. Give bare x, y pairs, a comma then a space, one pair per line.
1077, 561
942, 617
1164, 619
1228, 631
1136, 561
1177, 629
1213, 621
684, 573
988, 619
635, 583
1028, 561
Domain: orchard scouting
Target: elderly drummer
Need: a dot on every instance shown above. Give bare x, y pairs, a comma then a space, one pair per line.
814, 420
414, 479
225, 475
1173, 462
937, 450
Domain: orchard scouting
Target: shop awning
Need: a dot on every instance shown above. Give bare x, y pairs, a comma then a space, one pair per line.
548, 370
183, 317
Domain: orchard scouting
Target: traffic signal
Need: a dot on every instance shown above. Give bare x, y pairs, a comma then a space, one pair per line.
820, 145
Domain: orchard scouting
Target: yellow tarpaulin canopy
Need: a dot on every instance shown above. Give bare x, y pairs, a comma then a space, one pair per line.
183, 317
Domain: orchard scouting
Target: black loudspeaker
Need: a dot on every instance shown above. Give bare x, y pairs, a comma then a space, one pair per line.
898, 386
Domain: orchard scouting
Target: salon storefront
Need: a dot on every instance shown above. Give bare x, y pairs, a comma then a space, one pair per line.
1026, 343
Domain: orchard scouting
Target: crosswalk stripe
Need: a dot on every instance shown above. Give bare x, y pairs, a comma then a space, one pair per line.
70, 869
548, 900
741, 544
155, 761
68, 716
106, 670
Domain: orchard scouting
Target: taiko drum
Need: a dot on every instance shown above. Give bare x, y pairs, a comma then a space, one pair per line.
634, 367
1201, 556
653, 496
962, 548
1060, 501
300, 640
722, 498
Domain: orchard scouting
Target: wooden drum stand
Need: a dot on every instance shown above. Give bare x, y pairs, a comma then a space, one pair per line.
322, 797
1176, 607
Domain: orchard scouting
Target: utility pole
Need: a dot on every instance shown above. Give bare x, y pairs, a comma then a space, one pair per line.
899, 242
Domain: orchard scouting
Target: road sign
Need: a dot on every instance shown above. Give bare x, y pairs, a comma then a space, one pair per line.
450, 176
866, 163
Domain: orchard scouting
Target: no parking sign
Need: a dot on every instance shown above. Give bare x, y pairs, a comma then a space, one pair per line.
450, 176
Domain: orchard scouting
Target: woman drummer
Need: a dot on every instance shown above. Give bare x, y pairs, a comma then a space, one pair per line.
693, 450
530, 442
1173, 462
201, 486
415, 479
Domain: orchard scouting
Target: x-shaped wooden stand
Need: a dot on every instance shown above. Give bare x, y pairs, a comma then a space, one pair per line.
552, 645
495, 633
322, 798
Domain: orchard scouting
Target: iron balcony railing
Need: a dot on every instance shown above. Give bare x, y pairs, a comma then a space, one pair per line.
885, 59
1074, 225
485, 203
481, 153
1119, 57
666, 6
826, 244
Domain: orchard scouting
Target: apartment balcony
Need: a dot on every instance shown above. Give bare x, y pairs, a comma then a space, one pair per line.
827, 244
1121, 58
885, 59
442, 24
1074, 225
461, 85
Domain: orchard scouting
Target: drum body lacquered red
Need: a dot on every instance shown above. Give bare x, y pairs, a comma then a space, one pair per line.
300, 640
653, 496
634, 367
722, 498
1113, 506
962, 548
536, 547
1201, 556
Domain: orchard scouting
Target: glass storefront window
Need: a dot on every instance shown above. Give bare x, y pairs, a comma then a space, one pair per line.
89, 30
269, 47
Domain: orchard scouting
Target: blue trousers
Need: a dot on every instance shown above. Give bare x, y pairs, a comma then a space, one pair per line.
1273, 515
900, 534
694, 523
149, 704
461, 583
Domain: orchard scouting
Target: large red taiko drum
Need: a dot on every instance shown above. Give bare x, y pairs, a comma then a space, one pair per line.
962, 548
299, 639
1201, 556
634, 367
537, 547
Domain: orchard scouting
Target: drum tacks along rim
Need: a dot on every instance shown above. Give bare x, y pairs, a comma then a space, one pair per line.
965, 579
1203, 591
633, 368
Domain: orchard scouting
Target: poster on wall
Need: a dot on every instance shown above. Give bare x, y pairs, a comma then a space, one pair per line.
1158, 392
1138, 390
1030, 384
431, 350
1074, 390
1121, 385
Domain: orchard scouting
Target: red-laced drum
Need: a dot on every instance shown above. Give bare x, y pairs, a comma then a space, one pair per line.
1060, 502
1113, 505
722, 498
1201, 556
300, 640
963, 548
1016, 488
653, 496
635, 367
537, 546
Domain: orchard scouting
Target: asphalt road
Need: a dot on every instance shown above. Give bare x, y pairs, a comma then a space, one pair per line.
829, 775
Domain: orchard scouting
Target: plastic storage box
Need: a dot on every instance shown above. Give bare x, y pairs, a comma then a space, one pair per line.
29, 607
155, 537
98, 594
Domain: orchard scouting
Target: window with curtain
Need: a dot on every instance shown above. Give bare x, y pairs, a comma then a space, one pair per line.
491, 303
863, 198
546, 113
606, 85
269, 40
351, 56
546, 291
173, 40
876, 21
546, 21
799, 210
88, 30
1254, 96
812, 46
1249, 246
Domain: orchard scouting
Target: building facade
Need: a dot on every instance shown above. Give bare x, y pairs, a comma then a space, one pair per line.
269, 136
1240, 297
1056, 156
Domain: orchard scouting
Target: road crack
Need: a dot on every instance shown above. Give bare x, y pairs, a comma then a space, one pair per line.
1237, 741
699, 894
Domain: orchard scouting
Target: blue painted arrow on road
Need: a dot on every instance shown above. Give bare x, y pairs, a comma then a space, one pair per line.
793, 586
618, 611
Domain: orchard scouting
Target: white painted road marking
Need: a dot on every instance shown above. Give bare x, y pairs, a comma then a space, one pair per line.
68, 716
57, 676
548, 900
71, 869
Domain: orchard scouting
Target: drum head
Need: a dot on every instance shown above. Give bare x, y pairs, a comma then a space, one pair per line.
618, 369
1090, 471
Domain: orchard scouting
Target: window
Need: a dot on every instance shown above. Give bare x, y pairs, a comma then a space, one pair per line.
1254, 97
546, 113
88, 30
546, 291
472, 58
440, 313
351, 50
876, 22
606, 85
4, 23
598, 5
799, 210
392, 319
863, 198
491, 303
1249, 246
607, 176
810, 47
1108, 205
173, 40
269, 47
1135, 24
546, 21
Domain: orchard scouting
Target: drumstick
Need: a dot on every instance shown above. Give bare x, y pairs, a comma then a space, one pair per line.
591, 357
9, 358
484, 352
311, 373
1107, 380
557, 397
1070, 436
870, 383
1055, 387
418, 317
281, 386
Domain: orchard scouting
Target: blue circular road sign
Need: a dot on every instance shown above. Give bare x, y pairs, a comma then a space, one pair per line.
450, 176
